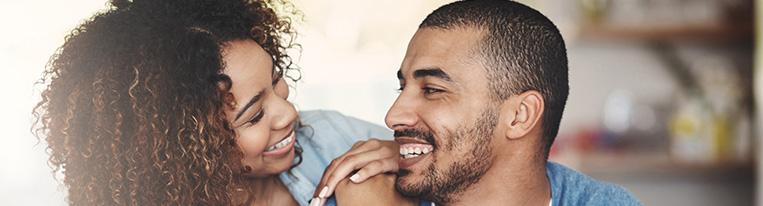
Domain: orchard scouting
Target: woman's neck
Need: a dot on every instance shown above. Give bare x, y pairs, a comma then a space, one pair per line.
269, 191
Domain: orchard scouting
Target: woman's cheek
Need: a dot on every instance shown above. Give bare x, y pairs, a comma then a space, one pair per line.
252, 141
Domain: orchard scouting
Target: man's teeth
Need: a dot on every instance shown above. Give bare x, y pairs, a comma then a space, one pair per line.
280, 144
409, 152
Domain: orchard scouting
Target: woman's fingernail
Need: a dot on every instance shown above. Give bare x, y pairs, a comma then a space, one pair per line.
354, 178
324, 192
314, 201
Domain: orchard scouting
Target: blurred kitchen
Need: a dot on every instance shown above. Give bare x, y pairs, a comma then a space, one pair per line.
662, 101
661, 96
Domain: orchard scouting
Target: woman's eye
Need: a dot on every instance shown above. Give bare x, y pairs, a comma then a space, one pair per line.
257, 117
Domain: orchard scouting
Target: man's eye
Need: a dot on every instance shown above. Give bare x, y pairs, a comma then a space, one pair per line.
429, 90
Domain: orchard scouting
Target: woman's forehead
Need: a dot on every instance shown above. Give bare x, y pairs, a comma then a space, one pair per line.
248, 65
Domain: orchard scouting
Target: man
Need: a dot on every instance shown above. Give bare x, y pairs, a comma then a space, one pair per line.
483, 88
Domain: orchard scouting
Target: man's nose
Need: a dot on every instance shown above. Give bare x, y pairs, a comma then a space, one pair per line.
402, 114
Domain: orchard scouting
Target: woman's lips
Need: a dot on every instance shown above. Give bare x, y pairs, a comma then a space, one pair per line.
282, 147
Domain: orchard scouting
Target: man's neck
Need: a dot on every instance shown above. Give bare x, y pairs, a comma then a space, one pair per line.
508, 183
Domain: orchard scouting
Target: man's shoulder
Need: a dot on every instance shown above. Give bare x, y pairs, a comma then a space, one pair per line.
569, 187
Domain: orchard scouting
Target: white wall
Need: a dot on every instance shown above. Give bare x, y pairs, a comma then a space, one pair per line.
31, 31
352, 51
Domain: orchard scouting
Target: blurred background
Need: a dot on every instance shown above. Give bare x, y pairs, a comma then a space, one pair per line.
662, 101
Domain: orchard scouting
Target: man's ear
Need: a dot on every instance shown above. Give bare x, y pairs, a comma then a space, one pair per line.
522, 113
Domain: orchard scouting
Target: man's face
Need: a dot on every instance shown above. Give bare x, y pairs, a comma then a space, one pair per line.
443, 118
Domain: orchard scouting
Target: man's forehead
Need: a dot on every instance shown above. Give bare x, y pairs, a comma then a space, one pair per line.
444, 42
448, 50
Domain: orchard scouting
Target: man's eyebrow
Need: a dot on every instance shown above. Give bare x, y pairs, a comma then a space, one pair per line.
431, 72
251, 102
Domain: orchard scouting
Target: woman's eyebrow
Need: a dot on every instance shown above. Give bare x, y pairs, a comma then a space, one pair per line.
251, 102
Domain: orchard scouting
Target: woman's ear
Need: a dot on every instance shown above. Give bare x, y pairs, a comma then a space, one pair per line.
522, 113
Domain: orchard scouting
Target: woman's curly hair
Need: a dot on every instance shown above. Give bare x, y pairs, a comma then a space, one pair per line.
133, 110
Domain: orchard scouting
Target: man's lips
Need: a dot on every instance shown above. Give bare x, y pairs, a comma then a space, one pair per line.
413, 150
411, 140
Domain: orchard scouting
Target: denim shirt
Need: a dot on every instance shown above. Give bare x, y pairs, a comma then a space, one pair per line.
325, 136
571, 188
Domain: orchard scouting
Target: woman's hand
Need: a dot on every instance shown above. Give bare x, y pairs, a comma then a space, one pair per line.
368, 158
378, 190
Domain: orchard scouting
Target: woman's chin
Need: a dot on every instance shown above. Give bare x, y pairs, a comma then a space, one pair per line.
274, 166
282, 164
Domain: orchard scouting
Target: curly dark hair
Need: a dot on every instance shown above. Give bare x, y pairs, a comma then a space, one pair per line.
133, 110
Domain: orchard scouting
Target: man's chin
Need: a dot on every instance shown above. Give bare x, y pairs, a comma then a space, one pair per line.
410, 185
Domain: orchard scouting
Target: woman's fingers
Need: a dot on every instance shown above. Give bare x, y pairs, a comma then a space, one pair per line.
358, 147
349, 164
379, 155
374, 168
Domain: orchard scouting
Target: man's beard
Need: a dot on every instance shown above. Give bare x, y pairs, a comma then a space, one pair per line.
444, 186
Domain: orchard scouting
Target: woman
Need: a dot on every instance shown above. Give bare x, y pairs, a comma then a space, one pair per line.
183, 102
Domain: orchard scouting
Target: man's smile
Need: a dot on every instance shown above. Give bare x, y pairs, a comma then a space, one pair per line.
413, 150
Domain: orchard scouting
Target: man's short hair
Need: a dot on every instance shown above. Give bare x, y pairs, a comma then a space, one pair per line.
521, 49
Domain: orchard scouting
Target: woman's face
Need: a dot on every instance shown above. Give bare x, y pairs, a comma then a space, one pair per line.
262, 118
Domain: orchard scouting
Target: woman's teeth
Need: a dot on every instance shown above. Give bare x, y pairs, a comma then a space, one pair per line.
414, 151
281, 144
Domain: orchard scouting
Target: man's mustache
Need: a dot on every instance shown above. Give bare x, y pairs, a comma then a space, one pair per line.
416, 133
